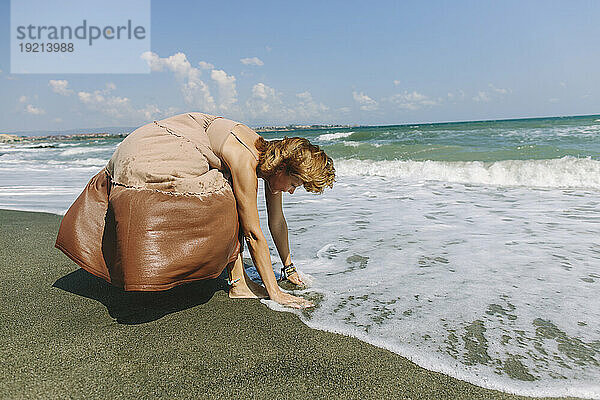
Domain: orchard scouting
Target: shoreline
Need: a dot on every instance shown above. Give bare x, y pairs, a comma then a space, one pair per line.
123, 131
69, 334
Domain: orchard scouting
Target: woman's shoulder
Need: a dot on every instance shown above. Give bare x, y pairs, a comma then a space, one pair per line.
239, 148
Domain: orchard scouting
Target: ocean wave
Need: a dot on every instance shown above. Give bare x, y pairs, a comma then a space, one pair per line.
86, 161
333, 136
20, 149
83, 150
351, 144
553, 133
566, 172
37, 190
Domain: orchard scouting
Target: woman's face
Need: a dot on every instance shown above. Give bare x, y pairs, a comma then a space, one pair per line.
282, 182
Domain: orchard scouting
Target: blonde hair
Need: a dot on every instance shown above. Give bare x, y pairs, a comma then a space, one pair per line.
299, 158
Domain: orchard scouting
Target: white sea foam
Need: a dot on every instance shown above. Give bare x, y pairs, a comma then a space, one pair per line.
85, 161
82, 150
36, 190
494, 285
20, 149
334, 136
566, 172
553, 132
92, 161
66, 170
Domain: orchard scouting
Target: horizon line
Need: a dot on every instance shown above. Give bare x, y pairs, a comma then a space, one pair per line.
344, 125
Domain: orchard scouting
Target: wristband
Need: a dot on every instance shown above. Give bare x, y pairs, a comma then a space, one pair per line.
287, 270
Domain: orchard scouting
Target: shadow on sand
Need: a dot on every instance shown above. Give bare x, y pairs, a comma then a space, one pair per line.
140, 307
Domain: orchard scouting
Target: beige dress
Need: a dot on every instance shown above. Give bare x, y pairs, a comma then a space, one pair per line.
162, 212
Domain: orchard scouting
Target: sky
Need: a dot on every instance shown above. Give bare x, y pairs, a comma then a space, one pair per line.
330, 62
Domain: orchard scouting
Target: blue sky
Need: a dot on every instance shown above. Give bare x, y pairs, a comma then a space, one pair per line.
345, 62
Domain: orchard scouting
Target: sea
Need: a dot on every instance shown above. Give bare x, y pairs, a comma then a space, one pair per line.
471, 248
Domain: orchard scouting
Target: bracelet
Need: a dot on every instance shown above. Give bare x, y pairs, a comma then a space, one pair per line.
287, 270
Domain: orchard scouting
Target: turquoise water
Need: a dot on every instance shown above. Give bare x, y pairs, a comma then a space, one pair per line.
470, 248
539, 138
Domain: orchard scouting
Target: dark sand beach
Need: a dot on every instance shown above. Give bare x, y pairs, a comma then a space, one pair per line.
67, 334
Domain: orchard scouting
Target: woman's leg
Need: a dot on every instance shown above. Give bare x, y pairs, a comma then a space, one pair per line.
242, 287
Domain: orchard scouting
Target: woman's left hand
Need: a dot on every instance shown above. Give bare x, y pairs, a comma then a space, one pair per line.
295, 279
289, 300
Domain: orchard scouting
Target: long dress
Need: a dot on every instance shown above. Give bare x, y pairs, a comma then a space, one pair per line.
162, 212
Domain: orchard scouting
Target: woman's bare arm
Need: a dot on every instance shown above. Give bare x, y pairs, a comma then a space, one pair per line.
278, 225
279, 231
245, 187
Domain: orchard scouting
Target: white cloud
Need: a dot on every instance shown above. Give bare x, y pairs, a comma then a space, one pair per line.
252, 61
563, 84
396, 82
34, 110
29, 108
205, 65
553, 100
307, 108
265, 101
268, 48
0, 71
412, 100
226, 87
120, 108
60, 87
177, 63
499, 90
304, 96
262, 91
486, 96
195, 91
481, 97
455, 96
116, 106
57, 120
366, 103
151, 112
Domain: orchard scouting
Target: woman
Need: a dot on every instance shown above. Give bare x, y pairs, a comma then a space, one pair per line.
179, 196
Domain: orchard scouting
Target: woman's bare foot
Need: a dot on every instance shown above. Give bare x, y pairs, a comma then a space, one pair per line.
246, 288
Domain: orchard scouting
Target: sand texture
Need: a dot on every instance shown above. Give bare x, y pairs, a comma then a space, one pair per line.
68, 334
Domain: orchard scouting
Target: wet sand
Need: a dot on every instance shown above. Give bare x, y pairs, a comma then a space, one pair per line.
68, 334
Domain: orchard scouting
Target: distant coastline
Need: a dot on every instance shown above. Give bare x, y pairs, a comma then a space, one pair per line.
124, 131
16, 137
8, 138
293, 127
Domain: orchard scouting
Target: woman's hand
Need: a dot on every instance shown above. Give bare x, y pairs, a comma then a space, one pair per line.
286, 299
295, 279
